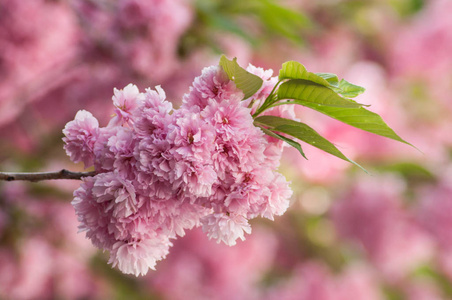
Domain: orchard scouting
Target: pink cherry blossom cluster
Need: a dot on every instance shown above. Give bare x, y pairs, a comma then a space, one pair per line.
162, 170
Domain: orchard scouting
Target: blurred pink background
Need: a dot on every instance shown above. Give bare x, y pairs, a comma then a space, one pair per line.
347, 234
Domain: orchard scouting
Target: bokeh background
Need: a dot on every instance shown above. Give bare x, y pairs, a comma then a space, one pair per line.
347, 235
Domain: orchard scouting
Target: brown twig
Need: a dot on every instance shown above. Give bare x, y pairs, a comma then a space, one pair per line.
38, 176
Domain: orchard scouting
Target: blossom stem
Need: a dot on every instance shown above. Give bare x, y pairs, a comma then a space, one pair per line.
268, 101
39, 176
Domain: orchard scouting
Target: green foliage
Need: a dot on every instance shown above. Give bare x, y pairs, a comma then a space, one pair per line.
348, 89
439, 278
412, 172
281, 137
305, 91
407, 8
358, 117
218, 16
332, 79
323, 92
244, 80
302, 132
269, 20
277, 19
295, 70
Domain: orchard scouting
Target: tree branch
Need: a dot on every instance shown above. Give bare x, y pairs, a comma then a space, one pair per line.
38, 176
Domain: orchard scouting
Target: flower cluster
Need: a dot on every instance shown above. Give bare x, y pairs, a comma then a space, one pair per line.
162, 170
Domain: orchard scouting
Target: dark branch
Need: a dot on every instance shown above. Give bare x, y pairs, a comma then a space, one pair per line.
38, 176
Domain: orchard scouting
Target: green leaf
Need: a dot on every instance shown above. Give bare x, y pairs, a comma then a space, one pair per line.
311, 92
302, 132
295, 70
283, 138
319, 92
349, 90
343, 87
244, 80
330, 77
358, 117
